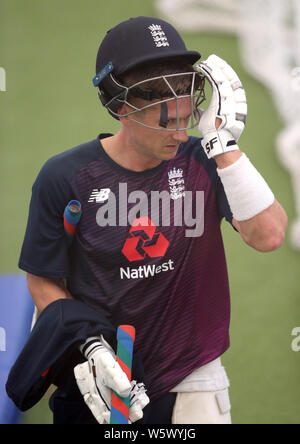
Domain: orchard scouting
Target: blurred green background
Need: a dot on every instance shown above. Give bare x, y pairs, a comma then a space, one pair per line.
48, 50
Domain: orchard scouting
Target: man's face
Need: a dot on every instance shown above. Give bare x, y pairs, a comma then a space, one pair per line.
159, 144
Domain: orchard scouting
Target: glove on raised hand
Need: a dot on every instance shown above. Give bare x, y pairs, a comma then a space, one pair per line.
228, 103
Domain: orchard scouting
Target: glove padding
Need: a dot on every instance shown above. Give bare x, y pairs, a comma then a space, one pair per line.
105, 367
100, 375
98, 397
228, 103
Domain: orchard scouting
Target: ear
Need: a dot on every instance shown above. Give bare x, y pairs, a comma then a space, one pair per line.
124, 110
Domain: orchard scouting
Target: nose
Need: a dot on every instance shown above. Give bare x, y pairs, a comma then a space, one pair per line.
180, 136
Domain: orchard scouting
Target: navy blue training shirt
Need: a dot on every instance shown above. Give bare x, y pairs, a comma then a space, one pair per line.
148, 251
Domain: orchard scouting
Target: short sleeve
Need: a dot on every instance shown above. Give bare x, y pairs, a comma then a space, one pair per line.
45, 250
222, 201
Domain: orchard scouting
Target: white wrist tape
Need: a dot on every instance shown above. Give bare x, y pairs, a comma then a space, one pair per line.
247, 192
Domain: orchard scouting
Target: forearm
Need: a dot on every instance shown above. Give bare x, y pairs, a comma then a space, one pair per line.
266, 230
44, 291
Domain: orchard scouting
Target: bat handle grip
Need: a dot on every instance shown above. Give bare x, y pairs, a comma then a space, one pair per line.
119, 405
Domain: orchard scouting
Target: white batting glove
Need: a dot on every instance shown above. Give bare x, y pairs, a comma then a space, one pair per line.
101, 374
228, 103
106, 370
96, 397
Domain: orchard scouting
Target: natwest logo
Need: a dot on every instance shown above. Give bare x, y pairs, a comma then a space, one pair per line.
144, 241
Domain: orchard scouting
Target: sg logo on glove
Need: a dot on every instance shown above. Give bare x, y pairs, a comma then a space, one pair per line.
210, 145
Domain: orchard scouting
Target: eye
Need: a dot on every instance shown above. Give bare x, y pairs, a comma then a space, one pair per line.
183, 122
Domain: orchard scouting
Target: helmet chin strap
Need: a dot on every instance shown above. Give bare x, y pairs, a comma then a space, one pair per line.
163, 122
149, 96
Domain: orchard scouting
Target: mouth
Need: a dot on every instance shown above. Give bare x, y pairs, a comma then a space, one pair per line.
172, 147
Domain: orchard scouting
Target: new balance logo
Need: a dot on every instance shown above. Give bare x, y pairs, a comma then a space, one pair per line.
99, 196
